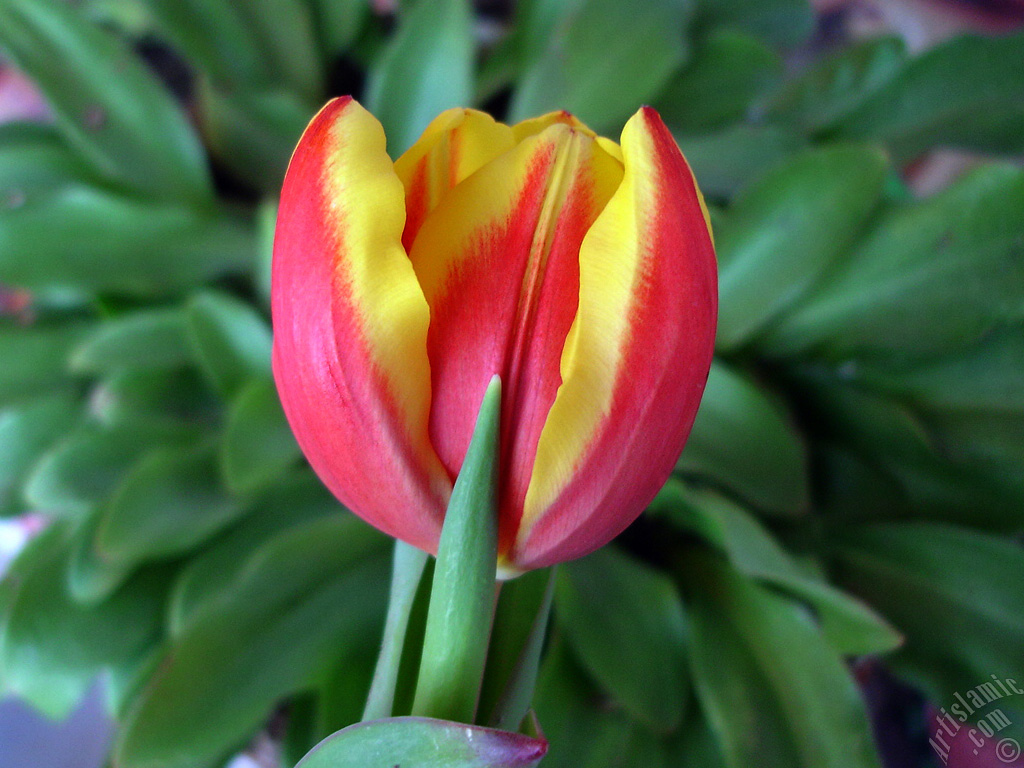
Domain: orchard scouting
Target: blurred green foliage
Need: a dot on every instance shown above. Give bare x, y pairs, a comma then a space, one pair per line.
854, 484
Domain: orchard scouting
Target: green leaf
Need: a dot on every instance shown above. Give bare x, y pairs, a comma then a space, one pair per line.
301, 597
149, 338
231, 340
603, 60
80, 472
108, 242
34, 157
91, 577
175, 403
35, 359
462, 594
297, 500
768, 705
729, 70
743, 440
26, 431
107, 103
520, 626
425, 743
784, 23
625, 622
426, 68
956, 593
850, 626
967, 92
955, 256
284, 32
258, 444
831, 88
786, 230
52, 648
253, 132
338, 22
727, 160
168, 503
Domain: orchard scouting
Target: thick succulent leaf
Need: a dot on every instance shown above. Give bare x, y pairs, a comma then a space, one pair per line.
768, 705
106, 101
625, 623
176, 403
955, 256
720, 84
425, 743
51, 648
788, 229
258, 445
26, 432
727, 160
780, 22
301, 597
295, 501
603, 59
148, 338
850, 626
743, 440
35, 157
110, 242
957, 594
968, 92
338, 23
426, 68
79, 473
828, 90
230, 339
35, 359
168, 503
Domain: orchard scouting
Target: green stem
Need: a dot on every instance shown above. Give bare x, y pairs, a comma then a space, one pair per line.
406, 572
462, 596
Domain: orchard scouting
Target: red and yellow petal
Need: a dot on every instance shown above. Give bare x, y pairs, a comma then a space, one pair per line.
498, 263
350, 328
456, 144
635, 363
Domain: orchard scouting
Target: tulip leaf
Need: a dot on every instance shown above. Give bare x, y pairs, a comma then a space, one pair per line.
231, 340
258, 444
767, 705
957, 594
783, 23
956, 255
153, 338
106, 102
461, 608
108, 242
789, 228
603, 60
728, 71
295, 501
35, 157
850, 627
297, 601
426, 68
425, 743
727, 160
625, 623
51, 648
829, 90
35, 360
26, 432
744, 441
967, 92
169, 502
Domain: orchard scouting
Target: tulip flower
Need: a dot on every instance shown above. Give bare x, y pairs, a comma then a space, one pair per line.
580, 271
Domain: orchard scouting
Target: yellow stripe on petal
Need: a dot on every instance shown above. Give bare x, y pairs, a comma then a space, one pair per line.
535, 125
456, 144
634, 362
